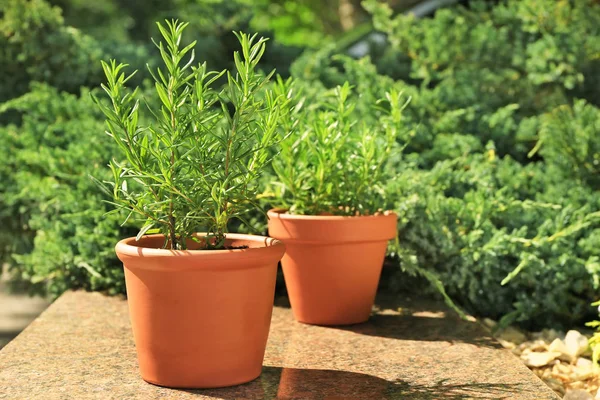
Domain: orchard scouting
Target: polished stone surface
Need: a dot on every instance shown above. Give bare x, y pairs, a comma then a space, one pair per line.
82, 348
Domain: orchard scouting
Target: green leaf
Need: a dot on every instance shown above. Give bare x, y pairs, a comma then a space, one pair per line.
144, 229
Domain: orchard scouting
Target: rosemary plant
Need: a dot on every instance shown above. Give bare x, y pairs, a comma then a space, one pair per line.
197, 163
334, 163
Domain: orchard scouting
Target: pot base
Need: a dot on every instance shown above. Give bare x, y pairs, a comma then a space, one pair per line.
234, 382
340, 322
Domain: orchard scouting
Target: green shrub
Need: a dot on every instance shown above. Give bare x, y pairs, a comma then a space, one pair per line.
196, 166
510, 235
35, 45
510, 59
46, 183
569, 140
334, 162
503, 241
546, 45
122, 28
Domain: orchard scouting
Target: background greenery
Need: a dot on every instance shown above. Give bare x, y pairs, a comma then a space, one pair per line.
497, 188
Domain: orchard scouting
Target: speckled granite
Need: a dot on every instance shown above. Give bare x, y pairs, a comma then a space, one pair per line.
82, 348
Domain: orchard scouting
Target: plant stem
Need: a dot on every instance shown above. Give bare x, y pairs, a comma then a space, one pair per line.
171, 217
172, 172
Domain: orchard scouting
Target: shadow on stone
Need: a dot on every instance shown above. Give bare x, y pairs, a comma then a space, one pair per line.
422, 319
424, 328
277, 383
7, 336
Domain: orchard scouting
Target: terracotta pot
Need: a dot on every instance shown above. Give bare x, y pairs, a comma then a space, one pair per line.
200, 318
332, 264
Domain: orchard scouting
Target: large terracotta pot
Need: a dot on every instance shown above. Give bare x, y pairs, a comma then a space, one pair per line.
332, 264
200, 318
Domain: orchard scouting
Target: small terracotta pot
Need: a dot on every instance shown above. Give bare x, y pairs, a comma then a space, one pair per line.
332, 264
200, 318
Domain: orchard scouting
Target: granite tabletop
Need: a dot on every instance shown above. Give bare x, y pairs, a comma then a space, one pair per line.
82, 348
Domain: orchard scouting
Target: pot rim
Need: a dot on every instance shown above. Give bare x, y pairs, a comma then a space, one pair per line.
266, 244
283, 213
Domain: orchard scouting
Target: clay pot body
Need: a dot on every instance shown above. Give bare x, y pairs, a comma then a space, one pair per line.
200, 318
332, 264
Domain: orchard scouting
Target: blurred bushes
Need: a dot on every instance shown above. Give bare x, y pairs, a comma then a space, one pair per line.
35, 45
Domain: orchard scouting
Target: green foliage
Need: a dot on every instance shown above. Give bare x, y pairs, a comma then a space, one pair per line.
54, 246
569, 140
546, 43
300, 23
507, 241
485, 69
497, 191
35, 45
122, 28
496, 188
198, 164
126, 21
108, 19
595, 339
333, 163
45, 179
